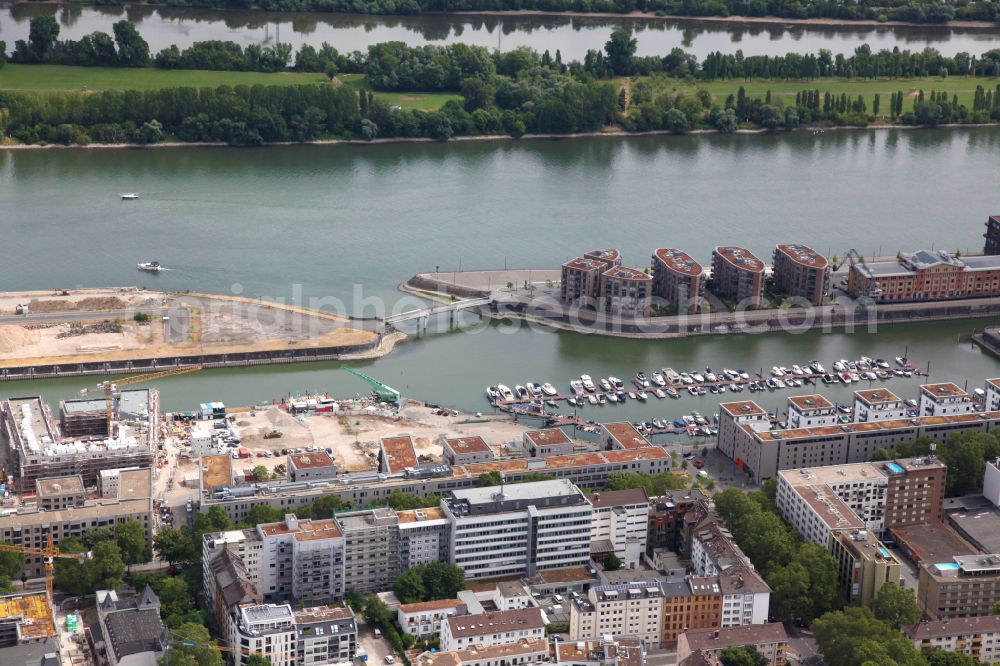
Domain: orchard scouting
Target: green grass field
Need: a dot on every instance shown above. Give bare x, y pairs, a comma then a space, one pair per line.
38, 78
58, 77
963, 86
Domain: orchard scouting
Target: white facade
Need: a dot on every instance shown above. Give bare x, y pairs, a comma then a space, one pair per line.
993, 395
743, 607
878, 405
519, 529
267, 630
815, 511
991, 482
623, 523
861, 486
634, 609
305, 559
810, 411
423, 620
944, 400
489, 629
203, 443
109, 481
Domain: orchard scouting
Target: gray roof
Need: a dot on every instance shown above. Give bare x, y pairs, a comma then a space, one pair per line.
135, 631
31, 654
522, 491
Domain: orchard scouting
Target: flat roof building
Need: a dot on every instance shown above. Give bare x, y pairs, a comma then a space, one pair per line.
371, 560
580, 282
619, 524
549, 442
466, 450
977, 637
801, 272
944, 399
992, 235
678, 279
806, 411
306, 559
926, 275
738, 276
424, 537
966, 586
396, 454
622, 435
61, 492
303, 466
879, 404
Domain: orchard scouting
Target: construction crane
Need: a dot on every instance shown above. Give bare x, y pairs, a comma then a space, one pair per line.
50, 552
110, 388
871, 290
380, 391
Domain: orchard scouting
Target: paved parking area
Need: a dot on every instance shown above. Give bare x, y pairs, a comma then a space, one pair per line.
376, 648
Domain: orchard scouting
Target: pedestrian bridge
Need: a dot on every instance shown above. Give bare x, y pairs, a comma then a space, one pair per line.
423, 313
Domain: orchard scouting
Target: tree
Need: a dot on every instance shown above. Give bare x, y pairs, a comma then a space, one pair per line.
11, 563
106, 566
355, 600
133, 51
442, 580
944, 658
676, 121
131, 539
487, 479
620, 50
896, 606
193, 648
257, 660
96, 535
261, 513
175, 600
854, 637
6, 585
995, 610
42, 34
261, 473
377, 613
611, 561
409, 586
173, 545
327, 505
742, 655
725, 121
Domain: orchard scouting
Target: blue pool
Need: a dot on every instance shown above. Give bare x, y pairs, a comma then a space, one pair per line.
896, 468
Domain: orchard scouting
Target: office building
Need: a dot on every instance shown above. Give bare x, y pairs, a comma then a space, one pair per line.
545, 443
768, 639
491, 629
371, 556
977, 637
678, 279
738, 276
944, 399
518, 529
311, 466
466, 451
423, 620
619, 524
966, 586
808, 411
622, 436
879, 404
424, 537
801, 272
396, 454
926, 275
625, 292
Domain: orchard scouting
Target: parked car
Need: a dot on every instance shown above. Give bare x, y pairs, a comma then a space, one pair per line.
698, 464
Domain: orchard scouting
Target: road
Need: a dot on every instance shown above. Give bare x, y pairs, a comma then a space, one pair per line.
78, 315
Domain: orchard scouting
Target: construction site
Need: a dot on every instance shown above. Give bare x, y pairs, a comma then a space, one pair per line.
99, 331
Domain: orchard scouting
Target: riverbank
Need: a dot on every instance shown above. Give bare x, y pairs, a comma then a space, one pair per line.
620, 134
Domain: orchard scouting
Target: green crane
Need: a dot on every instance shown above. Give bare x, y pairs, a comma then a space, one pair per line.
380, 391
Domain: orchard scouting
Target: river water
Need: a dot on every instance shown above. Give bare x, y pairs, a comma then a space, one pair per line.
163, 26
315, 221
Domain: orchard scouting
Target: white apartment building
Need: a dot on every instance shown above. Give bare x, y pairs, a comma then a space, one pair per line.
325, 635
810, 411
305, 559
944, 399
732, 441
631, 609
491, 629
424, 536
619, 524
815, 510
861, 486
991, 481
978, 637
879, 404
993, 395
423, 620
519, 529
267, 630
746, 598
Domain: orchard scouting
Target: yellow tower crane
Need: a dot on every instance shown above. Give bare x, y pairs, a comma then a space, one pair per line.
50, 552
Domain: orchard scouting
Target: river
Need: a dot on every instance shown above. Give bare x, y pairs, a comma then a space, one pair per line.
319, 220
162, 26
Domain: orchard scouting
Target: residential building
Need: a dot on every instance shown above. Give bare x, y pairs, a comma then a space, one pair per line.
992, 401
423, 619
667, 519
814, 510
31, 526
511, 595
525, 651
915, 490
518, 529
977, 637
692, 603
40, 450
133, 633
466, 451
800, 271
746, 598
619, 524
768, 639
622, 435
991, 481
626, 292
267, 630
967, 586
738, 276
65, 492
609, 258
545, 443
325, 635
25, 617
634, 609
808, 411
992, 235
227, 582
863, 487
678, 279
944, 399
396, 454
491, 629
371, 559
613, 651
424, 537
865, 565
305, 560
762, 453
926, 275
311, 466
879, 404
580, 282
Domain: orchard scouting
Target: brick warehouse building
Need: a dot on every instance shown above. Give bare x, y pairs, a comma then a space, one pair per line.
926, 275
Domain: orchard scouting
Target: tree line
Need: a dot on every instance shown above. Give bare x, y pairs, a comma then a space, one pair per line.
918, 11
